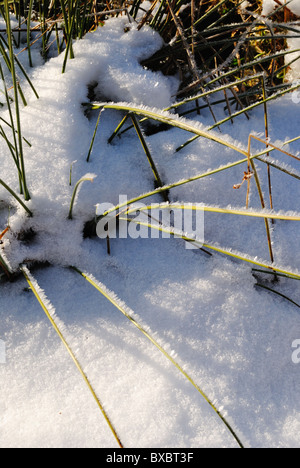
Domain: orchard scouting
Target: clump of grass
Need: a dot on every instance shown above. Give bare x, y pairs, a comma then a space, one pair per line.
179, 123
228, 43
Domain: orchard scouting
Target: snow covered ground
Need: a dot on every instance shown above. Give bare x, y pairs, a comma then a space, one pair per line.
233, 338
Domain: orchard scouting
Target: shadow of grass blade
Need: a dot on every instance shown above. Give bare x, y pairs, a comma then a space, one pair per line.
46, 306
103, 290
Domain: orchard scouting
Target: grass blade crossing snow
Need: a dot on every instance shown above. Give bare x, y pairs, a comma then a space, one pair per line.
128, 314
50, 313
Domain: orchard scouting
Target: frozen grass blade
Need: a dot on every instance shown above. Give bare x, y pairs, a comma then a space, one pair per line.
176, 184
213, 209
192, 99
216, 248
213, 91
247, 176
44, 303
236, 71
191, 179
117, 304
87, 177
168, 119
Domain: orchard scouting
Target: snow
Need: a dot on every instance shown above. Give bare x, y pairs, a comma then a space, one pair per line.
233, 338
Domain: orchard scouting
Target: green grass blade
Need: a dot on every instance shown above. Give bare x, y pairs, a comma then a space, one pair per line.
146, 149
16, 197
119, 127
87, 177
209, 12
169, 119
28, 32
70, 32
94, 136
22, 70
